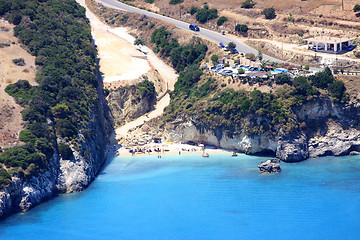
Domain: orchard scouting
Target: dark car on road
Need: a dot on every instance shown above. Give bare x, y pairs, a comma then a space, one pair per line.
193, 27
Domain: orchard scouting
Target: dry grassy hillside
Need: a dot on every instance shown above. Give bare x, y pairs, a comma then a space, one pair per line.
10, 113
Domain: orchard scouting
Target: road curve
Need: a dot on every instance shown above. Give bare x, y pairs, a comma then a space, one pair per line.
211, 35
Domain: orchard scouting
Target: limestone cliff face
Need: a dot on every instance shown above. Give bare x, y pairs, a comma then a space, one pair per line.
126, 103
330, 130
63, 175
187, 131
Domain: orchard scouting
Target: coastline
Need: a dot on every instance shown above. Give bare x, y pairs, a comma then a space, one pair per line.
164, 150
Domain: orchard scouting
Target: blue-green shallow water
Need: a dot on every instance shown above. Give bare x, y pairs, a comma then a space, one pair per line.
189, 197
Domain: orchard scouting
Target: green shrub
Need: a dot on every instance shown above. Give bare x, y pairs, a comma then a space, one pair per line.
147, 89
174, 2
149, 1
248, 4
221, 20
231, 45
205, 14
5, 6
214, 58
283, 78
65, 151
193, 10
19, 62
269, 13
242, 28
356, 8
241, 71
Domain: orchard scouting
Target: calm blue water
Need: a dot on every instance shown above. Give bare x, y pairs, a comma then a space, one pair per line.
189, 197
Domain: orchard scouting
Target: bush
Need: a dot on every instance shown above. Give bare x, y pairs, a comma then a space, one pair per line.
214, 58
283, 78
19, 61
337, 90
250, 56
221, 20
242, 28
241, 71
269, 13
322, 79
205, 14
5, 6
65, 151
356, 8
231, 45
147, 89
193, 10
174, 2
248, 4
5, 178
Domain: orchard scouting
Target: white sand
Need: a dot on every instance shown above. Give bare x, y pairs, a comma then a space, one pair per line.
119, 61
116, 51
171, 149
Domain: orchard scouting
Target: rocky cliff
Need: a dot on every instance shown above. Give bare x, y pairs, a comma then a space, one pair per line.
330, 130
127, 103
63, 175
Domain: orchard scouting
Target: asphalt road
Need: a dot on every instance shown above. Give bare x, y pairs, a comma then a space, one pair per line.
211, 35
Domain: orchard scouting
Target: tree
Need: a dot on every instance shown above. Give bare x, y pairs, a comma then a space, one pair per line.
174, 2
5, 6
241, 71
231, 45
65, 151
248, 4
356, 8
214, 58
193, 10
283, 78
242, 28
269, 13
206, 14
307, 67
139, 42
221, 20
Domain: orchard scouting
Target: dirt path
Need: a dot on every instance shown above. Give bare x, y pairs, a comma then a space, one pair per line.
159, 109
125, 41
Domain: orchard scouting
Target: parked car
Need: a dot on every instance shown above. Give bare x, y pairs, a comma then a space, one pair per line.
233, 51
351, 47
193, 27
225, 72
222, 45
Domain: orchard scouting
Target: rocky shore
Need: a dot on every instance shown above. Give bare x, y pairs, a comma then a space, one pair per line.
331, 129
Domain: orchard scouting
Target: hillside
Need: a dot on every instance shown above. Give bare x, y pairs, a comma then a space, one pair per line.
292, 117
63, 140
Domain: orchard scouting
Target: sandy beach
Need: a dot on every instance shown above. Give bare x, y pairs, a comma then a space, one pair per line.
163, 149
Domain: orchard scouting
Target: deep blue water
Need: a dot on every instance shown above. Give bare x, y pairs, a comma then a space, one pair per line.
190, 197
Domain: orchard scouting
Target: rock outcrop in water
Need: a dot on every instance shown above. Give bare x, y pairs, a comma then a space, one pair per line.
270, 166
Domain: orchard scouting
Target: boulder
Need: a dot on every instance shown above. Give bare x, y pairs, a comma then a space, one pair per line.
292, 148
270, 166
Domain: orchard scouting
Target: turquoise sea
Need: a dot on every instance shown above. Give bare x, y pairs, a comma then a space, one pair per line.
190, 197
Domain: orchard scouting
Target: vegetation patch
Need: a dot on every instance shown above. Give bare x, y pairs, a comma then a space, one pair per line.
58, 34
205, 14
